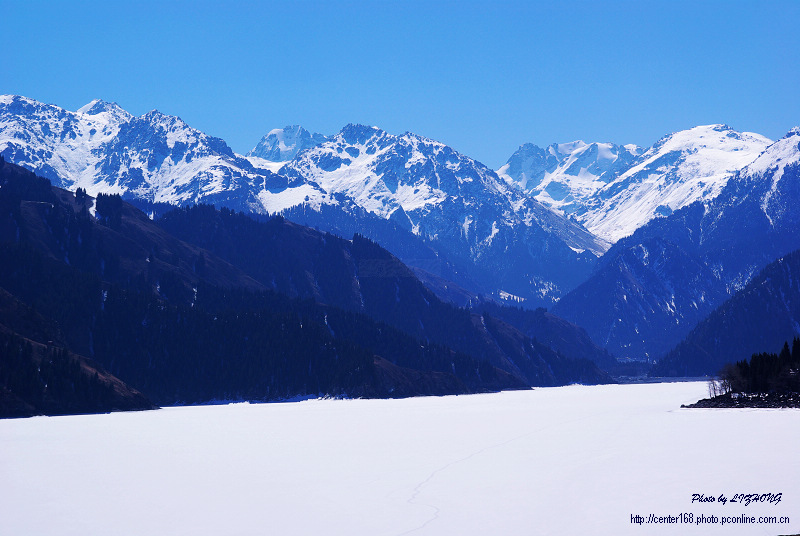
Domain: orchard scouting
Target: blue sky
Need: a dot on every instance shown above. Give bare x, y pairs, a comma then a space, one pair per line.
483, 77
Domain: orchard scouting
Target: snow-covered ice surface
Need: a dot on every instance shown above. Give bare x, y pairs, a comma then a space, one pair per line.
569, 460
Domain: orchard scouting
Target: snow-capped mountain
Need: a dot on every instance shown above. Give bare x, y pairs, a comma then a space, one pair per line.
484, 227
566, 176
160, 158
771, 181
102, 148
615, 190
753, 221
756, 217
523, 249
453, 201
750, 223
283, 144
55, 143
427, 186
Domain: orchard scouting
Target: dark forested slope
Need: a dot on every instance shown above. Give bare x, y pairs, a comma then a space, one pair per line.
764, 314
183, 324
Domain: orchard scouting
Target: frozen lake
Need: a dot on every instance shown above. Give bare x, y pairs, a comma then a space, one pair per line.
569, 460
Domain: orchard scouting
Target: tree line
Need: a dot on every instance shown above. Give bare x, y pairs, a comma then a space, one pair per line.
762, 373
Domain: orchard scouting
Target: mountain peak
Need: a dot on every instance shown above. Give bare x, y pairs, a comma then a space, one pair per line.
562, 149
634, 149
564, 176
718, 136
283, 144
295, 130
785, 151
96, 106
356, 133
19, 105
720, 127
155, 113
111, 109
8, 99
795, 131
419, 139
165, 120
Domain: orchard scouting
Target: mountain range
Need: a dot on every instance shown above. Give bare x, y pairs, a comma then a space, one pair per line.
636, 245
280, 145
458, 206
613, 190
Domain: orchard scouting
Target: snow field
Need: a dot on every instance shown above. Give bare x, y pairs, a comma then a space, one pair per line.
567, 460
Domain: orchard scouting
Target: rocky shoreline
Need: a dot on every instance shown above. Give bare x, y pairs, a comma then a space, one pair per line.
748, 400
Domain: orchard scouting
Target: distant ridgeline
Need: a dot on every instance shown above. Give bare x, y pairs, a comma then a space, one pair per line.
662, 255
